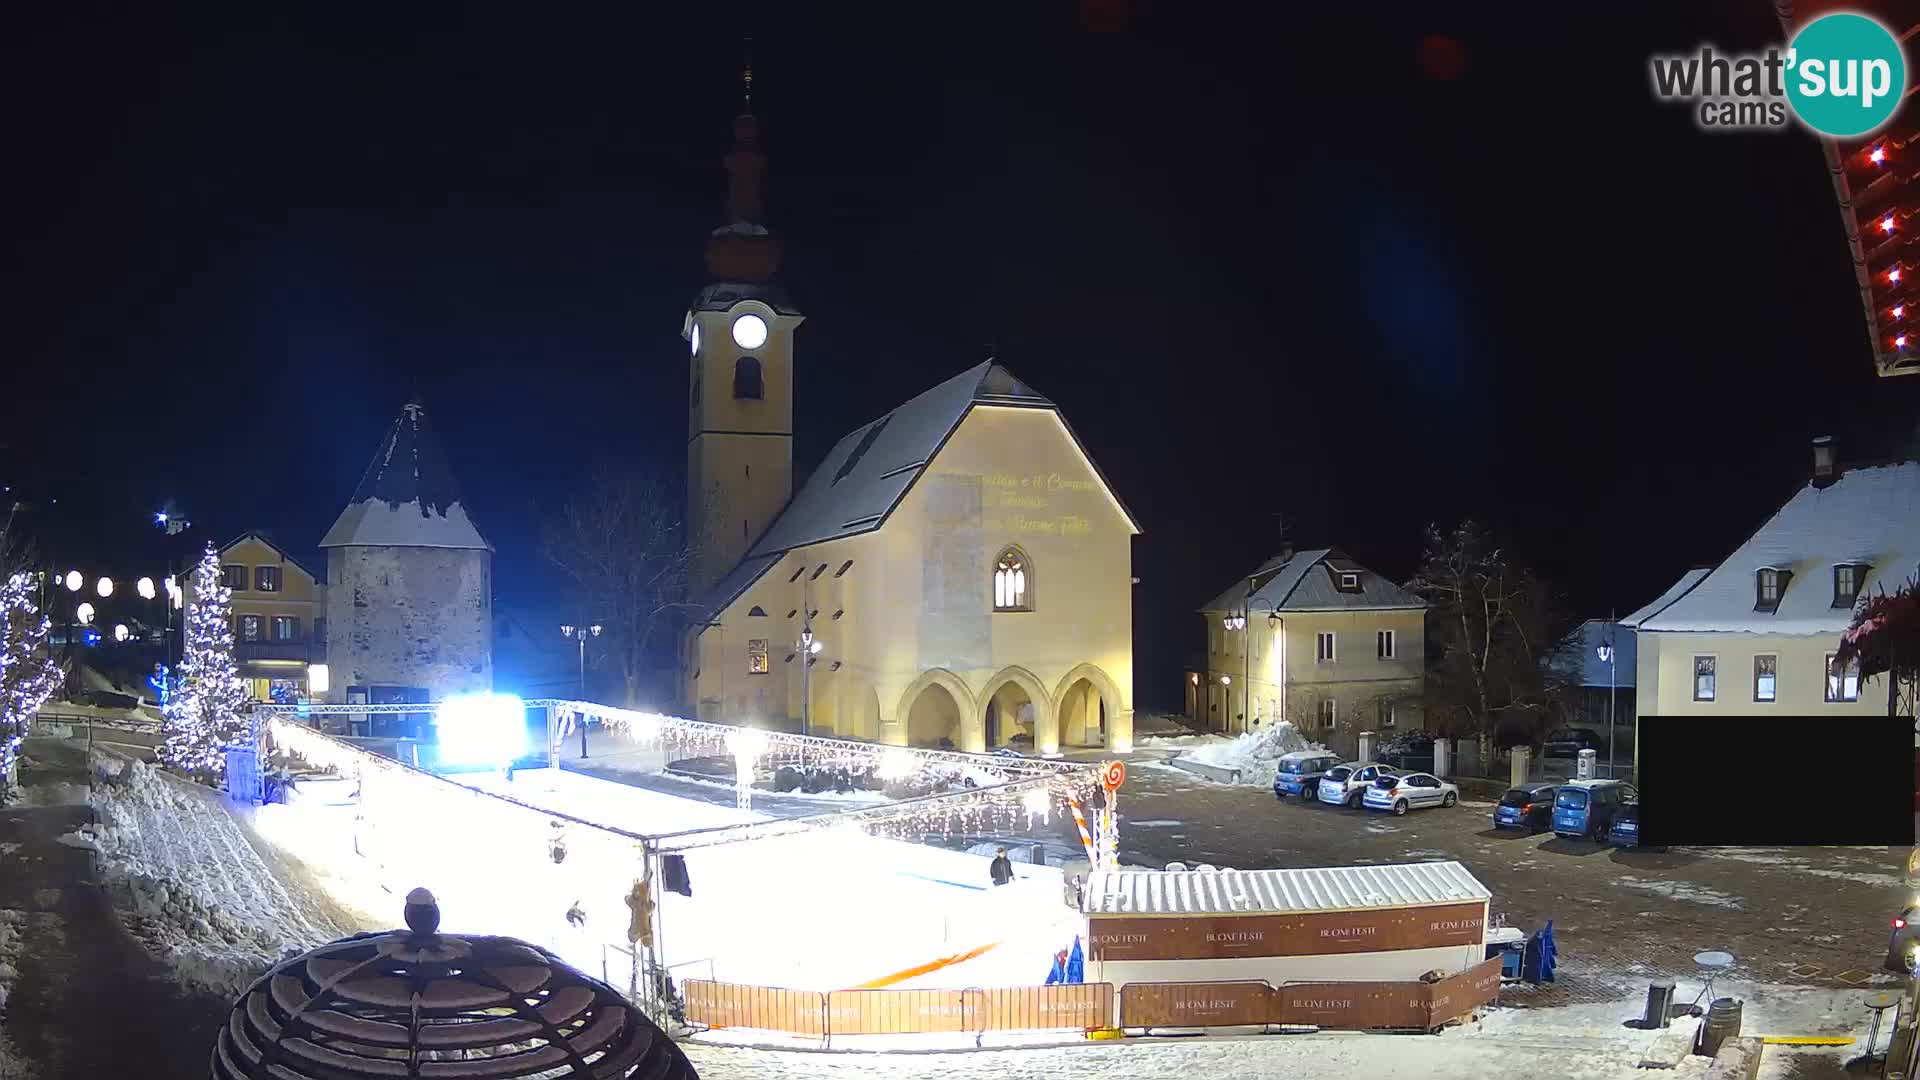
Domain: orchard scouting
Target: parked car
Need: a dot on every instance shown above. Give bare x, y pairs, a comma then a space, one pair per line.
1587, 807
1409, 791
1906, 937
1299, 773
1411, 750
1625, 830
1529, 808
1568, 742
1345, 784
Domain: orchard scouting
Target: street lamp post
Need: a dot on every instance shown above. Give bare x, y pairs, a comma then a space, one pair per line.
810, 647
1607, 656
581, 634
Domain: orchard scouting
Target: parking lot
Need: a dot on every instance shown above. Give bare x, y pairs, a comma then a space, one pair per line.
1800, 916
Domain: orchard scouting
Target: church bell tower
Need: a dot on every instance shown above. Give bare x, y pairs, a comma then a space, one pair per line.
740, 401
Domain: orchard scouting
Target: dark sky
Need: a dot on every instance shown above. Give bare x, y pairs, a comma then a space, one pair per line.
1266, 267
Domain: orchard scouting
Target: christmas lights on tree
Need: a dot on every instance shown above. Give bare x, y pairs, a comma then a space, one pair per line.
208, 710
28, 675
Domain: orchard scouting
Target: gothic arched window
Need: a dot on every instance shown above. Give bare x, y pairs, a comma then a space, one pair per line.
746, 378
1012, 581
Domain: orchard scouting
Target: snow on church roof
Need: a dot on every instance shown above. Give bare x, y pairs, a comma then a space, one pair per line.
1869, 516
408, 497
870, 469
1247, 892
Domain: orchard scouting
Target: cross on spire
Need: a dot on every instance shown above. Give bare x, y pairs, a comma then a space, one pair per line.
746, 79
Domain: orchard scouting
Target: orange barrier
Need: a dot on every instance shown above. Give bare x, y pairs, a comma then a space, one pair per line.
1072, 1006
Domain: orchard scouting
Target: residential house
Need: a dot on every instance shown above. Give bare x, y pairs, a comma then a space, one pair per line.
1316, 639
1756, 632
279, 617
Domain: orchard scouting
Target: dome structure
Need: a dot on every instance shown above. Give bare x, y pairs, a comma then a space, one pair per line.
418, 1003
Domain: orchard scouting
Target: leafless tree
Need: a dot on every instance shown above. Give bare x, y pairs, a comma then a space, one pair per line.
623, 547
1490, 635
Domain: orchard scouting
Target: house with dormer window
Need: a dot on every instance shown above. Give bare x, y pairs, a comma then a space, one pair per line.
1757, 632
1316, 639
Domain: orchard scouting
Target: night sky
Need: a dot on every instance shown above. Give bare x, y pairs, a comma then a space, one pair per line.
1304, 268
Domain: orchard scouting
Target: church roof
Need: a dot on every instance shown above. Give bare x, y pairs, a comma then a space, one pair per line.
871, 468
408, 497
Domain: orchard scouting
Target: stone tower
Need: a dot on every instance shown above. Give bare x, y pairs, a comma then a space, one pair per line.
410, 579
740, 402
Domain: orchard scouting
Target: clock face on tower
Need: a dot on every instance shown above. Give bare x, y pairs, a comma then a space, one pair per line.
693, 339
749, 331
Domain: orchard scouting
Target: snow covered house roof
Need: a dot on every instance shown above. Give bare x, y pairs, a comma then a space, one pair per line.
1869, 516
1310, 581
408, 497
1674, 592
264, 538
872, 467
1581, 656
1248, 892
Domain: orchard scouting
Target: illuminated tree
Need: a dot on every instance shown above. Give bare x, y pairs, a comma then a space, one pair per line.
28, 675
207, 710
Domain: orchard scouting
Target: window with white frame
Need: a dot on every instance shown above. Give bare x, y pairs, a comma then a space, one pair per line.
1011, 577
1323, 647
1703, 678
1846, 584
1766, 672
286, 628
1385, 714
1843, 683
1329, 713
250, 626
1384, 644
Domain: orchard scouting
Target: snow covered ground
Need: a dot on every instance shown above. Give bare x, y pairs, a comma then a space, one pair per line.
203, 899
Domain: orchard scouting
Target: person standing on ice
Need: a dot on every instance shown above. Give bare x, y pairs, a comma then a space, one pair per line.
1002, 868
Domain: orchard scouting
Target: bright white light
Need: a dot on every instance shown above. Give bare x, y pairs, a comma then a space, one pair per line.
1900, 342
1195, 678
179, 595
746, 743
1878, 155
318, 679
105, 588
897, 764
75, 581
1226, 680
1886, 223
145, 588
119, 631
816, 646
84, 613
1036, 802
1899, 311
694, 339
481, 729
1893, 274
749, 331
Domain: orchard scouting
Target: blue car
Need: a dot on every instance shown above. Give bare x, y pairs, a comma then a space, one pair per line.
1625, 830
1586, 808
1299, 773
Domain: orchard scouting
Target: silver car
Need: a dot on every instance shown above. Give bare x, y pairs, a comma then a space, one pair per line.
1410, 791
1345, 784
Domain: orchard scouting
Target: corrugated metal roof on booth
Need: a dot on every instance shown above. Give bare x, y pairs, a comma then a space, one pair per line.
1243, 892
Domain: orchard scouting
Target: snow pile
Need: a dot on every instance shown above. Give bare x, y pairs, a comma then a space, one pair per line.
1256, 754
12, 924
202, 899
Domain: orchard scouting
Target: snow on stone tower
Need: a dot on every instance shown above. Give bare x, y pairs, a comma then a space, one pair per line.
410, 579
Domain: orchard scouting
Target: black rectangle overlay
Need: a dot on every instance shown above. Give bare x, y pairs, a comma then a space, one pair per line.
1775, 781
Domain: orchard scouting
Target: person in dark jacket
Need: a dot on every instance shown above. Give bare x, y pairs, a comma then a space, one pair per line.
1002, 869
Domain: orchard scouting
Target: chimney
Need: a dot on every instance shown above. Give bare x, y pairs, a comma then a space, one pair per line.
1286, 551
1825, 468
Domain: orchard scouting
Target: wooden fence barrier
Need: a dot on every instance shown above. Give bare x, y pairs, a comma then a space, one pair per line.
1195, 1004
1351, 1006
1074, 1006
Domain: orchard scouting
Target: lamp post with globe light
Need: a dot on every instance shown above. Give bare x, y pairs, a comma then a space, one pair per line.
810, 647
581, 634
1607, 656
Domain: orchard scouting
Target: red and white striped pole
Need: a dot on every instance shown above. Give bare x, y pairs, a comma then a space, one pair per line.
1080, 822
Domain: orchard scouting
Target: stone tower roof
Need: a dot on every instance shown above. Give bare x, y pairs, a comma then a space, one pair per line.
408, 497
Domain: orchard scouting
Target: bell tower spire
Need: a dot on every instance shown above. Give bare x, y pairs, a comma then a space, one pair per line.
740, 332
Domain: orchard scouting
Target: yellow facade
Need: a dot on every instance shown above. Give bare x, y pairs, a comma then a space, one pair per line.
1284, 678
1665, 676
284, 620
913, 651
740, 447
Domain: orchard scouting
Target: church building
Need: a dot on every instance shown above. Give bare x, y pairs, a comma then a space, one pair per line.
955, 572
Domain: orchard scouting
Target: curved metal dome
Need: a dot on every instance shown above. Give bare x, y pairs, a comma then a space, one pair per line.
416, 1003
